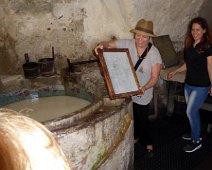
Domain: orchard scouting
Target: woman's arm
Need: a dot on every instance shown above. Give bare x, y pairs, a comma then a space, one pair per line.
105, 44
209, 61
178, 70
155, 72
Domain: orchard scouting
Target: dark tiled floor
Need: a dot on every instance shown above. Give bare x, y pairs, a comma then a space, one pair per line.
168, 147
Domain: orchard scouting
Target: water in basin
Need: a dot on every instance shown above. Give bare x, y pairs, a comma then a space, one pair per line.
48, 108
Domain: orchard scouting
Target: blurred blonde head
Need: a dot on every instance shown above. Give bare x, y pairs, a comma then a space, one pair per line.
25, 144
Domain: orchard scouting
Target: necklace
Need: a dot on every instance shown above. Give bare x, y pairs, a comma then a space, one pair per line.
141, 52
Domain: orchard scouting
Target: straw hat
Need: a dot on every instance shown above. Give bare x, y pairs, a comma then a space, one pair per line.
144, 27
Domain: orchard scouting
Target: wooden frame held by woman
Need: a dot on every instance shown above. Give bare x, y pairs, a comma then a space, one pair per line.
119, 72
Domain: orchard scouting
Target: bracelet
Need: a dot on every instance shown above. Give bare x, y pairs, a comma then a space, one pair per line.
144, 88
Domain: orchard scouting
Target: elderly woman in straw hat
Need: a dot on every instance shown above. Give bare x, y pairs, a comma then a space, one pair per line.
147, 72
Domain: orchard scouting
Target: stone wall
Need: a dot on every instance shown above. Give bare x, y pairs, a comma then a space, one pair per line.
74, 27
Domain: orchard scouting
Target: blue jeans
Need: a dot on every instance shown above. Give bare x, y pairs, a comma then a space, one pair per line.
195, 97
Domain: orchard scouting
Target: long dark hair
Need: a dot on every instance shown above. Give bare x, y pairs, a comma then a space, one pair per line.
207, 39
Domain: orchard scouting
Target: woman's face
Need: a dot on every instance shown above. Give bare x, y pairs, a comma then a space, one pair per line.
197, 32
141, 40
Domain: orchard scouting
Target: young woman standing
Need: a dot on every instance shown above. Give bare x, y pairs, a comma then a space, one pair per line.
198, 66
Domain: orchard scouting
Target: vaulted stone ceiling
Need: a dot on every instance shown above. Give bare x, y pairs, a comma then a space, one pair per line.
74, 27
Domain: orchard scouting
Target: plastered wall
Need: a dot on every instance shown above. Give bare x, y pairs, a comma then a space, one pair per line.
74, 27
